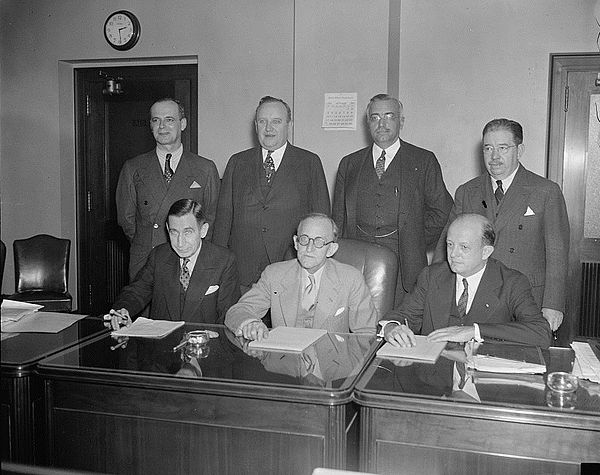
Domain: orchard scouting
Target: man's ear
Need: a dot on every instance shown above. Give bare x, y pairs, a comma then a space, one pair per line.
333, 247
183, 124
520, 150
487, 251
401, 120
296, 242
204, 230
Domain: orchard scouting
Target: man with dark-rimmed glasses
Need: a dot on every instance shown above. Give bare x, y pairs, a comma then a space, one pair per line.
312, 291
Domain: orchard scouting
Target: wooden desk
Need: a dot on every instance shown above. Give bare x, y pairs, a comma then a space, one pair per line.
412, 422
22, 392
142, 409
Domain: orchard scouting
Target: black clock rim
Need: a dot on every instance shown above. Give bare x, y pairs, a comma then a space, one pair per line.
137, 30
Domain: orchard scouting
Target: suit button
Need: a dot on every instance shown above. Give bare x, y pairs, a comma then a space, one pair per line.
520, 226
511, 250
155, 226
264, 230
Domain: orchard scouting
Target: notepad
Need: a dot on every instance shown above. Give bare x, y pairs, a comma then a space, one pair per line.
148, 328
288, 339
424, 351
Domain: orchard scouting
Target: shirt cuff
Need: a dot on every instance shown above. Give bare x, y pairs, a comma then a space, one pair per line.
383, 323
477, 336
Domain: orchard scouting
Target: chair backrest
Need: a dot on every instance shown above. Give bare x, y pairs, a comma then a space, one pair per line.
379, 266
42, 263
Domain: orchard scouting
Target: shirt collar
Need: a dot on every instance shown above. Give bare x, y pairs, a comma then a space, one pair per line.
192, 259
506, 182
276, 155
390, 152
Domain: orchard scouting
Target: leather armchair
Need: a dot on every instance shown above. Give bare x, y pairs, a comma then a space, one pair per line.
42, 272
379, 266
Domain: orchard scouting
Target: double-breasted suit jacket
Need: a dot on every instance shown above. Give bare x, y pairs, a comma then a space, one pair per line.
143, 199
503, 305
343, 302
532, 230
423, 205
258, 226
213, 286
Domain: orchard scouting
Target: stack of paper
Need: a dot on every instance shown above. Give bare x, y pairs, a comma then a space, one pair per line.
148, 328
502, 365
586, 364
288, 339
13, 310
423, 351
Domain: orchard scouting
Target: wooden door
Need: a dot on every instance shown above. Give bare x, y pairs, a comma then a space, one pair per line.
111, 128
574, 163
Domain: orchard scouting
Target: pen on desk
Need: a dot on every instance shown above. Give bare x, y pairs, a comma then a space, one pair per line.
181, 345
484, 204
119, 345
406, 322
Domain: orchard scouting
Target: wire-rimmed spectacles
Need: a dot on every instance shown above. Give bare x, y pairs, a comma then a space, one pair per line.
318, 241
501, 149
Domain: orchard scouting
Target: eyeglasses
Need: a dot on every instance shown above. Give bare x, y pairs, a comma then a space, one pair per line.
318, 242
386, 116
167, 121
501, 149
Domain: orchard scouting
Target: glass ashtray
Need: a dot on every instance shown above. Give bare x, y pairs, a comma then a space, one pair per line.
562, 382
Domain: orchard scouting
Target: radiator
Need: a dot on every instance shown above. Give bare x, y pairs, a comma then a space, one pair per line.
589, 319
116, 272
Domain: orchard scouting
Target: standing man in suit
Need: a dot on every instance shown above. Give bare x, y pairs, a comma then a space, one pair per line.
265, 191
151, 182
469, 297
312, 291
392, 193
187, 279
528, 212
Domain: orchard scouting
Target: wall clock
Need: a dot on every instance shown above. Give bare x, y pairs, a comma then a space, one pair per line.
122, 30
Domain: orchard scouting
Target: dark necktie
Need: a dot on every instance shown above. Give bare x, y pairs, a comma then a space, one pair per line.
462, 301
380, 165
168, 170
499, 193
269, 166
184, 276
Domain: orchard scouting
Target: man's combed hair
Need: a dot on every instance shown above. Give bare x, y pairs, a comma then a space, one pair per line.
505, 124
187, 206
488, 235
179, 105
271, 99
334, 227
383, 97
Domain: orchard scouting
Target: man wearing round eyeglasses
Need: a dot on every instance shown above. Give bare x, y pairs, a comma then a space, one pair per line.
528, 213
312, 291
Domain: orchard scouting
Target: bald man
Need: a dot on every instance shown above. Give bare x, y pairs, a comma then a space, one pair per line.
471, 296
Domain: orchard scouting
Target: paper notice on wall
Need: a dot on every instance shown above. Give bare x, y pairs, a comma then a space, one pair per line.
339, 111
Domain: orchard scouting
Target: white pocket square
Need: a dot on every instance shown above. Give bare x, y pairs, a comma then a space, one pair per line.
195, 185
212, 289
339, 311
529, 212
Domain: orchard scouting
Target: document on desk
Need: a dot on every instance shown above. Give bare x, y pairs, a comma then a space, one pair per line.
288, 339
148, 328
42, 322
508, 358
424, 351
13, 310
586, 364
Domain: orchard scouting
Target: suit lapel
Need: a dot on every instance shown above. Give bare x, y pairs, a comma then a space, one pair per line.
199, 282
405, 163
515, 200
289, 294
352, 191
171, 287
327, 298
439, 307
257, 171
486, 299
152, 175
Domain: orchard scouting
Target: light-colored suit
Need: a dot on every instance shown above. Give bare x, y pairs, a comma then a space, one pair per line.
532, 230
503, 306
343, 303
143, 199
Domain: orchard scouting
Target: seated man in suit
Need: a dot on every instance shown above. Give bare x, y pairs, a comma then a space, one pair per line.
189, 279
312, 291
471, 296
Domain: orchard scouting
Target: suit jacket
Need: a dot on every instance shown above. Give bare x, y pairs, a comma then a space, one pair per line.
423, 205
257, 228
158, 281
532, 230
503, 306
143, 199
343, 303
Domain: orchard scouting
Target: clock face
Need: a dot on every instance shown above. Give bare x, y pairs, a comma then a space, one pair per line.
122, 30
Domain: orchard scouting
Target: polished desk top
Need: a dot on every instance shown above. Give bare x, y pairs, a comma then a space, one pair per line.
21, 352
433, 388
324, 373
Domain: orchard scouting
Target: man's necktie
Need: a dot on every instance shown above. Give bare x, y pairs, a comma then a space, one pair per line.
168, 170
269, 166
308, 296
184, 276
380, 165
499, 193
462, 301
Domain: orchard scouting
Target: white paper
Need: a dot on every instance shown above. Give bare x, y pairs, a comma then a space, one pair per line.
13, 310
424, 350
501, 365
339, 111
148, 328
288, 339
42, 322
586, 364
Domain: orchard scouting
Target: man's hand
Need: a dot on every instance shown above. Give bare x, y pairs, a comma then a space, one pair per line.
115, 319
554, 317
458, 334
399, 335
254, 330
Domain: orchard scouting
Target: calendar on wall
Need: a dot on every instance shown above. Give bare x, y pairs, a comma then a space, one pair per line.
339, 111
